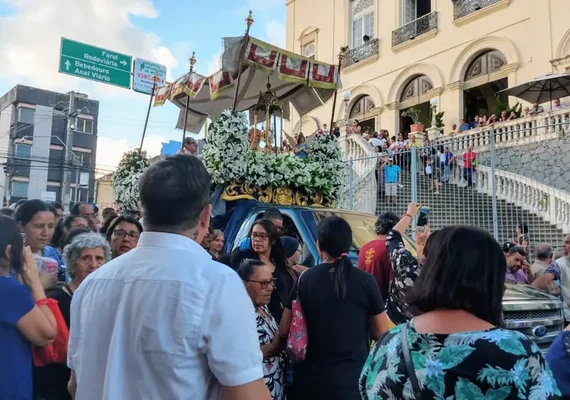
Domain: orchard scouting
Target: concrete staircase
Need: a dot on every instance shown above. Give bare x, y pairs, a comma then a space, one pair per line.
456, 205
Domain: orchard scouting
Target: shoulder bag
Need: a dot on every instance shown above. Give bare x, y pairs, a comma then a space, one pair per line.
409, 365
298, 338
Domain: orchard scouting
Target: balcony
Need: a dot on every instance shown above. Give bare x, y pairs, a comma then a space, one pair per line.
414, 29
361, 53
463, 8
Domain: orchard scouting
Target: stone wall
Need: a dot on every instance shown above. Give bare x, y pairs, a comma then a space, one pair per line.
547, 162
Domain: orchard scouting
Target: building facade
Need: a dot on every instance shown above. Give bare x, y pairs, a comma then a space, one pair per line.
33, 133
403, 53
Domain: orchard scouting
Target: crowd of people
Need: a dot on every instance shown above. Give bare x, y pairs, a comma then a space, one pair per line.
163, 313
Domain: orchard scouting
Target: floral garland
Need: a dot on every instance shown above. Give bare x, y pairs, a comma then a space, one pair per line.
228, 160
225, 156
125, 181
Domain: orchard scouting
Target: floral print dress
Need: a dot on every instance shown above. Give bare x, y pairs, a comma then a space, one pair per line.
273, 367
406, 271
493, 364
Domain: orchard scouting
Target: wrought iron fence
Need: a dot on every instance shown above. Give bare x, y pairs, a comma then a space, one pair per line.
462, 8
360, 53
461, 192
415, 28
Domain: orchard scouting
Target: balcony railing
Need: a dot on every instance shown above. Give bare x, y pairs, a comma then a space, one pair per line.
462, 8
361, 53
412, 30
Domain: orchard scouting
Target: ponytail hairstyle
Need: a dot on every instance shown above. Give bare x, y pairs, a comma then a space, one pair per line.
335, 239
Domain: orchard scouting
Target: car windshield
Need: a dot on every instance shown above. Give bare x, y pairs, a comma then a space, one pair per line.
362, 225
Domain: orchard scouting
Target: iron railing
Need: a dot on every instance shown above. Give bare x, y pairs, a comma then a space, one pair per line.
361, 53
412, 30
462, 8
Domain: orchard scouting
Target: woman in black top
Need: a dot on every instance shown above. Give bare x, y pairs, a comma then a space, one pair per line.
266, 246
343, 309
83, 255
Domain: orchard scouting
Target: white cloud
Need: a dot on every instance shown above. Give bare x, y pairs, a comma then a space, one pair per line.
275, 33
30, 44
214, 65
110, 150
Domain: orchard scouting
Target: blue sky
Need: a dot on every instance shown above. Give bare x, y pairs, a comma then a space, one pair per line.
166, 31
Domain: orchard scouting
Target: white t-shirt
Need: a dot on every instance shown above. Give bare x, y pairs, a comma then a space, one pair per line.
163, 321
565, 284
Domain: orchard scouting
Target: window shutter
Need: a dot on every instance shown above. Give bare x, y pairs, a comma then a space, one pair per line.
357, 32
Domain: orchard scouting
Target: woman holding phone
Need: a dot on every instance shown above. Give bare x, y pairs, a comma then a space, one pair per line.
25, 318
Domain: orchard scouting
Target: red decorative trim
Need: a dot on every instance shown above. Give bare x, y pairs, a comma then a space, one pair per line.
329, 78
266, 62
224, 81
300, 73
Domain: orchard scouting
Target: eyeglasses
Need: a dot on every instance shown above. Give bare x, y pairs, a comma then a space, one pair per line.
264, 285
261, 236
120, 234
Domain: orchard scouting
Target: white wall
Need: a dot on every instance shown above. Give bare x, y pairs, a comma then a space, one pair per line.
43, 118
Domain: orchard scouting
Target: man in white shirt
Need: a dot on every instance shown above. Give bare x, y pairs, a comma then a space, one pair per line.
165, 321
189, 146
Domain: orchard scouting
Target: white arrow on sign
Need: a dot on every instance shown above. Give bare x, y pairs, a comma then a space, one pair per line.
67, 64
124, 62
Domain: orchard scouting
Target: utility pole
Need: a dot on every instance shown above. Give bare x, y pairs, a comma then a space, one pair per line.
66, 183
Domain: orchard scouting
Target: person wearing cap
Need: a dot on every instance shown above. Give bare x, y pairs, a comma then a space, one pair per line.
189, 146
293, 251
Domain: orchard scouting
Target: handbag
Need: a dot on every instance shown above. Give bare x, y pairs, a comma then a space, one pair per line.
298, 338
56, 352
409, 365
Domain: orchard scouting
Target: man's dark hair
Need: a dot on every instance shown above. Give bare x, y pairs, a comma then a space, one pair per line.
7, 212
543, 251
57, 206
386, 222
517, 249
76, 209
273, 213
464, 269
174, 192
107, 211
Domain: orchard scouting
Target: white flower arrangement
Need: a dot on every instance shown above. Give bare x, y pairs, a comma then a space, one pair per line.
225, 155
125, 181
228, 159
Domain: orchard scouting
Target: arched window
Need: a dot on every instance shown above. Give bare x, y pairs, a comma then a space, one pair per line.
485, 63
309, 50
362, 21
362, 106
416, 87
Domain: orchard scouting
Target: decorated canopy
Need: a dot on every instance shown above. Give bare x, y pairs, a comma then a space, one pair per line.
303, 82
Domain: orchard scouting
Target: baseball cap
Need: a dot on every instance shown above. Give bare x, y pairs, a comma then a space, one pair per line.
507, 246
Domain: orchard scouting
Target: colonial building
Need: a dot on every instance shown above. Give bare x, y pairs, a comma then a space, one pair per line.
404, 53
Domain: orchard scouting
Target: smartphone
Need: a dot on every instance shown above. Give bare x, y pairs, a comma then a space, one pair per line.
423, 216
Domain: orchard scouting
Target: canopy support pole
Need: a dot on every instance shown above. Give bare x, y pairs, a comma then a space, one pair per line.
249, 22
155, 79
340, 58
191, 61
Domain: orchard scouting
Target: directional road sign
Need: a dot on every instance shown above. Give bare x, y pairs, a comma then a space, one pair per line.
95, 63
143, 72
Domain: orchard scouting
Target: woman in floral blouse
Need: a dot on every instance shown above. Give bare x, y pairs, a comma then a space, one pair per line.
405, 265
259, 282
456, 347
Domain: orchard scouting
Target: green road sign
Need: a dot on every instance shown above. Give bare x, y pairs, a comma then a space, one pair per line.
90, 62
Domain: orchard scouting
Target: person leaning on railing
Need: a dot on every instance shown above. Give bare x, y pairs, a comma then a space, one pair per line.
405, 265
